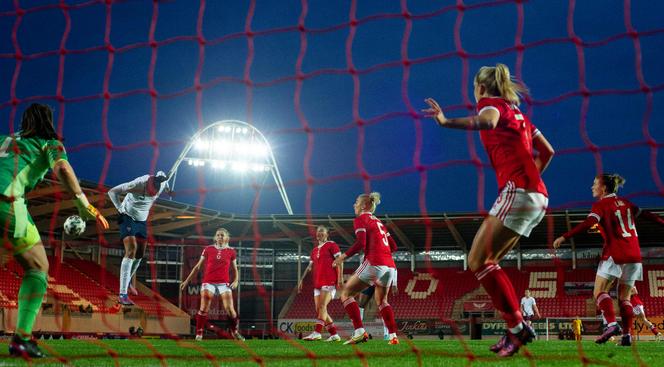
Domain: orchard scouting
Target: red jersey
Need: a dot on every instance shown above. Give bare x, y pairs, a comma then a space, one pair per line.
510, 146
377, 250
322, 257
635, 300
616, 218
218, 262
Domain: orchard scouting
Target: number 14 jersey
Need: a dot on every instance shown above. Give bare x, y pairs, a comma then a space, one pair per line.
616, 218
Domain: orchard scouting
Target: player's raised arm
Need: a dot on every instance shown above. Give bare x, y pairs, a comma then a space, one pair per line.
115, 192
581, 227
651, 217
65, 173
487, 119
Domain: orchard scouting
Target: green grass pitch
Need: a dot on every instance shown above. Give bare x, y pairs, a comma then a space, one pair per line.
151, 352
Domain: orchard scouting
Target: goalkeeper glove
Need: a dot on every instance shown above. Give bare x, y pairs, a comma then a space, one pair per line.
87, 211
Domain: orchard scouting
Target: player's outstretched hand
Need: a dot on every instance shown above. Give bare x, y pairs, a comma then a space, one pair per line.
183, 285
234, 285
88, 212
338, 260
434, 111
559, 241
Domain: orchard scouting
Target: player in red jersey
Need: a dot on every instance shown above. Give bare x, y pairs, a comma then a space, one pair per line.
621, 255
326, 280
509, 138
377, 269
640, 313
218, 259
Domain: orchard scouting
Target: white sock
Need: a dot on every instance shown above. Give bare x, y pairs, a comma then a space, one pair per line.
125, 274
392, 336
516, 329
362, 313
385, 331
134, 268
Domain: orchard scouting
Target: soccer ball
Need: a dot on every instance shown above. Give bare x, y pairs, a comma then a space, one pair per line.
74, 225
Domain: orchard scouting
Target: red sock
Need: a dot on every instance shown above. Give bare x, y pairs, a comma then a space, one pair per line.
233, 323
653, 329
387, 314
331, 328
605, 303
627, 314
201, 320
500, 289
319, 326
353, 311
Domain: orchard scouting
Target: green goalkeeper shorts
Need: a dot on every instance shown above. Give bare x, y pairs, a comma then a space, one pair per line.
18, 229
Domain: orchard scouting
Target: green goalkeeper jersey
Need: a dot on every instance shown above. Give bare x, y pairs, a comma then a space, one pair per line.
25, 161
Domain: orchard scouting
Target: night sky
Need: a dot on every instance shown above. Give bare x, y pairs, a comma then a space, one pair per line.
595, 75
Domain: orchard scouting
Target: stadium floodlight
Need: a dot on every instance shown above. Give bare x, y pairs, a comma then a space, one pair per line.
231, 145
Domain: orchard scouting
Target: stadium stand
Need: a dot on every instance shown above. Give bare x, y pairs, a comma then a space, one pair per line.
81, 298
432, 293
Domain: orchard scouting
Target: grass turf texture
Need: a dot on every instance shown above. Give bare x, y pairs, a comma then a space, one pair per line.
144, 352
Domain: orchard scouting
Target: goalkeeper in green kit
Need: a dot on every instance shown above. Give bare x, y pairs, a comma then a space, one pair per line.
25, 158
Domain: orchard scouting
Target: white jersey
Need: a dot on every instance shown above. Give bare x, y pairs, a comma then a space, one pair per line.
527, 304
137, 202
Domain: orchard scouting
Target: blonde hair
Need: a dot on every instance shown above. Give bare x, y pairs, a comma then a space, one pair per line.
327, 230
499, 82
370, 201
224, 231
612, 181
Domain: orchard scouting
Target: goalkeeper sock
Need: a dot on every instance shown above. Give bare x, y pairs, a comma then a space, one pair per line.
497, 284
134, 267
627, 315
30, 296
605, 304
125, 272
353, 311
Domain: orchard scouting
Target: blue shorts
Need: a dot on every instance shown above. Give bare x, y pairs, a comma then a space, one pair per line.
131, 227
369, 291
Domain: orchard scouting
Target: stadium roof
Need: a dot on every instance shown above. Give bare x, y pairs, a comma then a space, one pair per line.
174, 222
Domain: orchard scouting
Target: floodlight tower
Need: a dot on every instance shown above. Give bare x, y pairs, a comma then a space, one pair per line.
234, 145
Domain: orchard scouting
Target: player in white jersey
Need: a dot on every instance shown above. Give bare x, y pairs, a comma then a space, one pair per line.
140, 195
529, 308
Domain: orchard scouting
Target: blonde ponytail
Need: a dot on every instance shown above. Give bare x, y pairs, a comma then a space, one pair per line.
370, 201
499, 83
612, 181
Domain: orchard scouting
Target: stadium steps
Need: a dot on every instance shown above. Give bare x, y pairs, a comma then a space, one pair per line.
150, 302
477, 293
